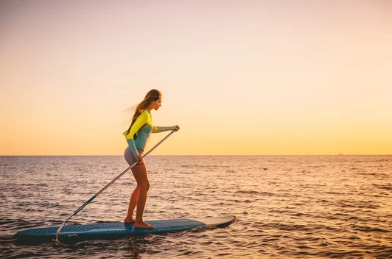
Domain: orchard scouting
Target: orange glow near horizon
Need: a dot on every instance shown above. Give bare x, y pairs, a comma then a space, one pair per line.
249, 78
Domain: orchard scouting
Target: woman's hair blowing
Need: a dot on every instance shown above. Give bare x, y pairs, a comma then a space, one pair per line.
151, 96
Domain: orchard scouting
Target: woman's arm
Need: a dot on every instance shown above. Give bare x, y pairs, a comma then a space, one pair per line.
140, 121
157, 129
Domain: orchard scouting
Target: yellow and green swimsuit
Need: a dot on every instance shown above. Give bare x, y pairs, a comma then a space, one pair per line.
142, 127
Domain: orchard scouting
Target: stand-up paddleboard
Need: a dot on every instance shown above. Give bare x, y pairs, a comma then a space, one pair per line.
118, 230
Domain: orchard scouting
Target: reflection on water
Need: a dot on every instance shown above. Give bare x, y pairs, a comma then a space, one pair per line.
287, 206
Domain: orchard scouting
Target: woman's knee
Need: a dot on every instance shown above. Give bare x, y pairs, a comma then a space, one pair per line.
137, 189
145, 186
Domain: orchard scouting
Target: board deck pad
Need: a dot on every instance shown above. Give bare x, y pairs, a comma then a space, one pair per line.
118, 229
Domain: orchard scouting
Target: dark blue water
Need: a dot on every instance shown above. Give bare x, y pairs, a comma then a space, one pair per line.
287, 206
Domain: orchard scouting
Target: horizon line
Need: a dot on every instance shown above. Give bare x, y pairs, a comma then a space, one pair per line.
200, 155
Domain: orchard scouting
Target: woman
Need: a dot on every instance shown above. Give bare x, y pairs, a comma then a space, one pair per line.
137, 137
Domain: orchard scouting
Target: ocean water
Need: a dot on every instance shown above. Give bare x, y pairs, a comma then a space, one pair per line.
286, 206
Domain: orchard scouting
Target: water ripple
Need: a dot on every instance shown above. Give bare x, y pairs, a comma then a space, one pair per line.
287, 207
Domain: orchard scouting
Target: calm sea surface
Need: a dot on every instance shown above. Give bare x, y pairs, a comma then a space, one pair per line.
286, 206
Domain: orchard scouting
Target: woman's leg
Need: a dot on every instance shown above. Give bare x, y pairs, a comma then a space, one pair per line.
129, 157
141, 176
132, 205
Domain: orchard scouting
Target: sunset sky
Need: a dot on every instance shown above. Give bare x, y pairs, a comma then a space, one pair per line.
240, 77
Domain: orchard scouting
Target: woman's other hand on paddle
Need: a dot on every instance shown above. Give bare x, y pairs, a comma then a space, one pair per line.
176, 128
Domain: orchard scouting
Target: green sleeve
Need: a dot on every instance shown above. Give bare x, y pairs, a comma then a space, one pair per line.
158, 129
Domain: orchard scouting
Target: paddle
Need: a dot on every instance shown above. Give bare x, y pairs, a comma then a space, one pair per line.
104, 188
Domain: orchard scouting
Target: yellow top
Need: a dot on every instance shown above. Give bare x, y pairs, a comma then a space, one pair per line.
142, 129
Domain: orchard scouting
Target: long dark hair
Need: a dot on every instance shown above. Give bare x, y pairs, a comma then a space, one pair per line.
151, 96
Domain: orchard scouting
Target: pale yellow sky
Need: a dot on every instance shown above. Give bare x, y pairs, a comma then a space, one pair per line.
240, 77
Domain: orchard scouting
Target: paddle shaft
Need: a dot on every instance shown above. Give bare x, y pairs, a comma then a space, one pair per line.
104, 188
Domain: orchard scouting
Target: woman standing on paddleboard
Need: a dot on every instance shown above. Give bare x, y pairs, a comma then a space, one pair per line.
137, 137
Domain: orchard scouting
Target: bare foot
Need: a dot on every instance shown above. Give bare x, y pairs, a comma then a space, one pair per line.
128, 220
142, 225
